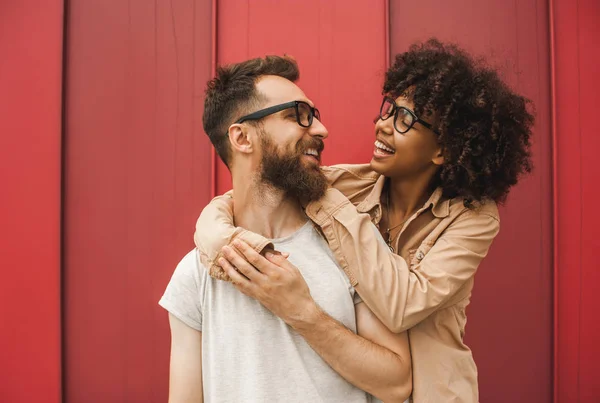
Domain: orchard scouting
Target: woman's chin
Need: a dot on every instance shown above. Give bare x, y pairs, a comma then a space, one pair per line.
379, 166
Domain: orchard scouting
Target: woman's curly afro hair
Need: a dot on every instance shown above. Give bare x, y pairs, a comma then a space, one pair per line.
485, 128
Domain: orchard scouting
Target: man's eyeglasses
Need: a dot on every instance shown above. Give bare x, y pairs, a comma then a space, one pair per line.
404, 118
304, 113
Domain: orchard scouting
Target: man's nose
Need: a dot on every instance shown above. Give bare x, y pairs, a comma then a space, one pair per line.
318, 129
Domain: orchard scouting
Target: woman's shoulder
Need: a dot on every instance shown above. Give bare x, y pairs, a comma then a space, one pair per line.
484, 208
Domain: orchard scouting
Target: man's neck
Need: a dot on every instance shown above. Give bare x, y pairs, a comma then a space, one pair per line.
262, 209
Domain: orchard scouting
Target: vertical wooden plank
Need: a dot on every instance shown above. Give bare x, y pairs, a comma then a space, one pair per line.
568, 201
576, 87
341, 67
589, 60
510, 316
137, 165
31, 38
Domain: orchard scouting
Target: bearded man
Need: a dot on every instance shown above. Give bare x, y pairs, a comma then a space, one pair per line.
228, 347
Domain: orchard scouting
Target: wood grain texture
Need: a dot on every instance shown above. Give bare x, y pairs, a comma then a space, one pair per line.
31, 48
137, 174
577, 285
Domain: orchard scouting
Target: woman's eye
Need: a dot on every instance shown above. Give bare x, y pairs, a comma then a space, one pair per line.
404, 116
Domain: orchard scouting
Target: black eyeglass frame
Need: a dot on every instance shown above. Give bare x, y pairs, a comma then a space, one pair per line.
395, 113
278, 108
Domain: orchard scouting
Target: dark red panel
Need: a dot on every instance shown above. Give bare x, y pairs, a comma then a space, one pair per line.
589, 44
31, 34
137, 175
568, 201
577, 39
510, 316
340, 47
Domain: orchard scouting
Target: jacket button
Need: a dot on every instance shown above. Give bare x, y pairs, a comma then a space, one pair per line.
420, 255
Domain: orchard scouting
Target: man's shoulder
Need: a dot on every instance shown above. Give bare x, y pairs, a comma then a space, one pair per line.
190, 262
183, 296
189, 270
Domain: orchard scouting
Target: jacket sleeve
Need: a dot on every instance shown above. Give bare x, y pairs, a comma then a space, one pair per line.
400, 293
354, 181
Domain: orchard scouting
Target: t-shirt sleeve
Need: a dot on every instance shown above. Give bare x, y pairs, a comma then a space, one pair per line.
356, 298
184, 294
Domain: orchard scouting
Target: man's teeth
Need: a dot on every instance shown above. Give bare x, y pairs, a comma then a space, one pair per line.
312, 151
382, 146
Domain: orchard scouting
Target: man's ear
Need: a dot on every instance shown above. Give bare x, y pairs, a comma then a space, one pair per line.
438, 158
241, 138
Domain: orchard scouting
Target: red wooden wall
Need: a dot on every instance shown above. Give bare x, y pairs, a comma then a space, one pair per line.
138, 168
137, 173
31, 35
576, 40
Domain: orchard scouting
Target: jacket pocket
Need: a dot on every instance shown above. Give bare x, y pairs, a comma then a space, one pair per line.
416, 256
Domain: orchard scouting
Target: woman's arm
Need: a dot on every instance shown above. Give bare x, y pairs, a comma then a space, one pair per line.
401, 295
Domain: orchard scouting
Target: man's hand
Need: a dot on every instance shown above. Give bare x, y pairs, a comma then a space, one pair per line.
273, 281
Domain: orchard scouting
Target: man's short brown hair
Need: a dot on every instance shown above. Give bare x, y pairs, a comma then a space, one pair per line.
232, 93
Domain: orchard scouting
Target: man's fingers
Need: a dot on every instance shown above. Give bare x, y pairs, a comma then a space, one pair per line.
279, 260
240, 263
253, 257
238, 280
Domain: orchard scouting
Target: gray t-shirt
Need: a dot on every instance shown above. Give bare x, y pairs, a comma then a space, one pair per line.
249, 354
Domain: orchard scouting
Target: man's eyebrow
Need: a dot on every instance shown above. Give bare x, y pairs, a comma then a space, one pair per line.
308, 101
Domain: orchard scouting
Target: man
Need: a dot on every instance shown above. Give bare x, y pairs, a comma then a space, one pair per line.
227, 347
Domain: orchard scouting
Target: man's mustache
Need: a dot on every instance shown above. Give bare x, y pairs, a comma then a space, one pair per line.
316, 144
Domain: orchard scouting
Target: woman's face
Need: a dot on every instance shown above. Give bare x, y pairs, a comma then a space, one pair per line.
405, 155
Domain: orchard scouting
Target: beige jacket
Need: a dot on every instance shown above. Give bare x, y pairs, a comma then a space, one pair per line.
424, 289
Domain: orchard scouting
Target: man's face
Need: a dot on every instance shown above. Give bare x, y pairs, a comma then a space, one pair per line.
290, 154
286, 170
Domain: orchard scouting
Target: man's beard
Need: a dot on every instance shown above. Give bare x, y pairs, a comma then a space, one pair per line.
287, 173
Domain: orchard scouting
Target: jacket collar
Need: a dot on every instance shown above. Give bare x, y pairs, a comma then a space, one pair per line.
440, 207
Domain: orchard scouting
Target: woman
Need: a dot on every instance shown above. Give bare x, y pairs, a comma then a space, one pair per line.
451, 139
